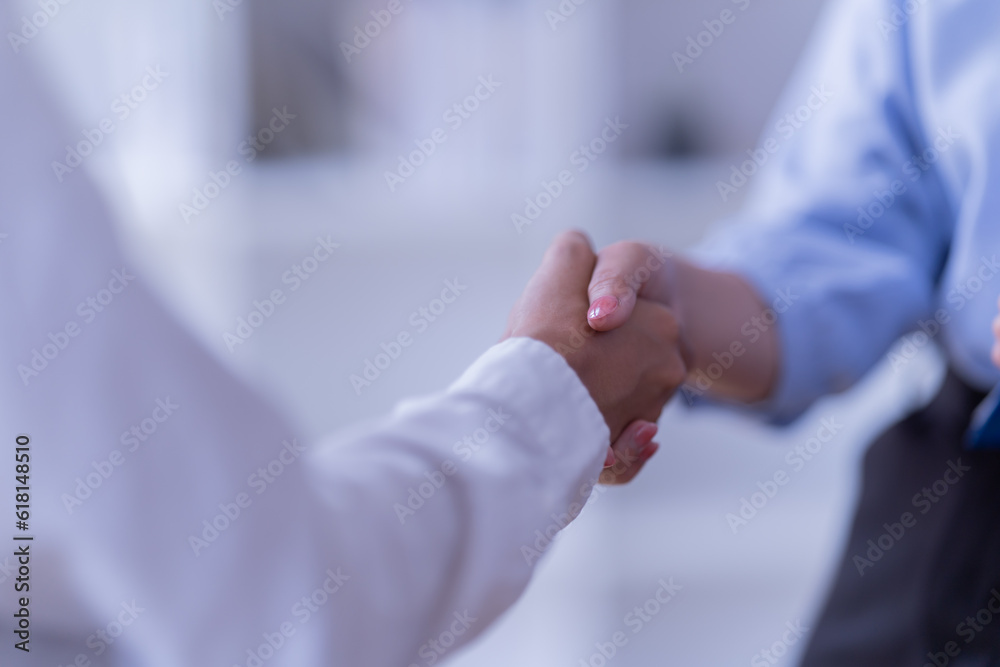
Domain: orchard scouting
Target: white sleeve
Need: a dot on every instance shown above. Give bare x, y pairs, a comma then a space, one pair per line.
456, 496
176, 518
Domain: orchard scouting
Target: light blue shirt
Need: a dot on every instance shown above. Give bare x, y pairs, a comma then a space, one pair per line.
876, 211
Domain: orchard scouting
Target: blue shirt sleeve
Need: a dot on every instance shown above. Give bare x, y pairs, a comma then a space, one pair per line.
846, 228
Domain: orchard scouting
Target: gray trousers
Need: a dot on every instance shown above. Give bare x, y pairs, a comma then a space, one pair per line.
919, 582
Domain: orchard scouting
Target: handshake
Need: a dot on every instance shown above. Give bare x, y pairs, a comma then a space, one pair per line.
633, 322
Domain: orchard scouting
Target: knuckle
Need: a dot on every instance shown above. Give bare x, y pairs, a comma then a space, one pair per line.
573, 243
609, 282
669, 377
629, 247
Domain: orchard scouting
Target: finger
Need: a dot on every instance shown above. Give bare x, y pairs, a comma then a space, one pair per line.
568, 251
621, 275
609, 459
566, 268
632, 449
611, 478
995, 355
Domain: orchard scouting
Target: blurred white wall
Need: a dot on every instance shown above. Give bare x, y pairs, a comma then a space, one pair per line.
561, 74
563, 64
97, 54
718, 102
395, 82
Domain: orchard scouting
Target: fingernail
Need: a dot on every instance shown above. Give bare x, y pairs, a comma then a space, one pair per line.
645, 434
650, 449
609, 460
603, 307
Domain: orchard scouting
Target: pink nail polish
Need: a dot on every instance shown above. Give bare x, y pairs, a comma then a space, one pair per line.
603, 307
609, 460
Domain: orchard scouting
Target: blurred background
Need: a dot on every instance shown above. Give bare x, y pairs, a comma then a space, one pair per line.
270, 125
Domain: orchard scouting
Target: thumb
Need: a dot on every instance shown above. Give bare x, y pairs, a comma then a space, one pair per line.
620, 277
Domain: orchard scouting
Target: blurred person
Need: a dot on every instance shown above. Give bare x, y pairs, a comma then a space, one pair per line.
175, 518
877, 217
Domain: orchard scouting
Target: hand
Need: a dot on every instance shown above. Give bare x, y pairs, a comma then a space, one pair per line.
633, 448
631, 372
624, 272
712, 310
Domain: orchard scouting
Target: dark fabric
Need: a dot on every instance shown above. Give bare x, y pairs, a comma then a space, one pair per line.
905, 589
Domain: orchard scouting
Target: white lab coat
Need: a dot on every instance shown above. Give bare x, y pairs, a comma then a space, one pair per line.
366, 549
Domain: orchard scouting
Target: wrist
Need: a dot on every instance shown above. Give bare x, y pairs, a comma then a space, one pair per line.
678, 275
713, 308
